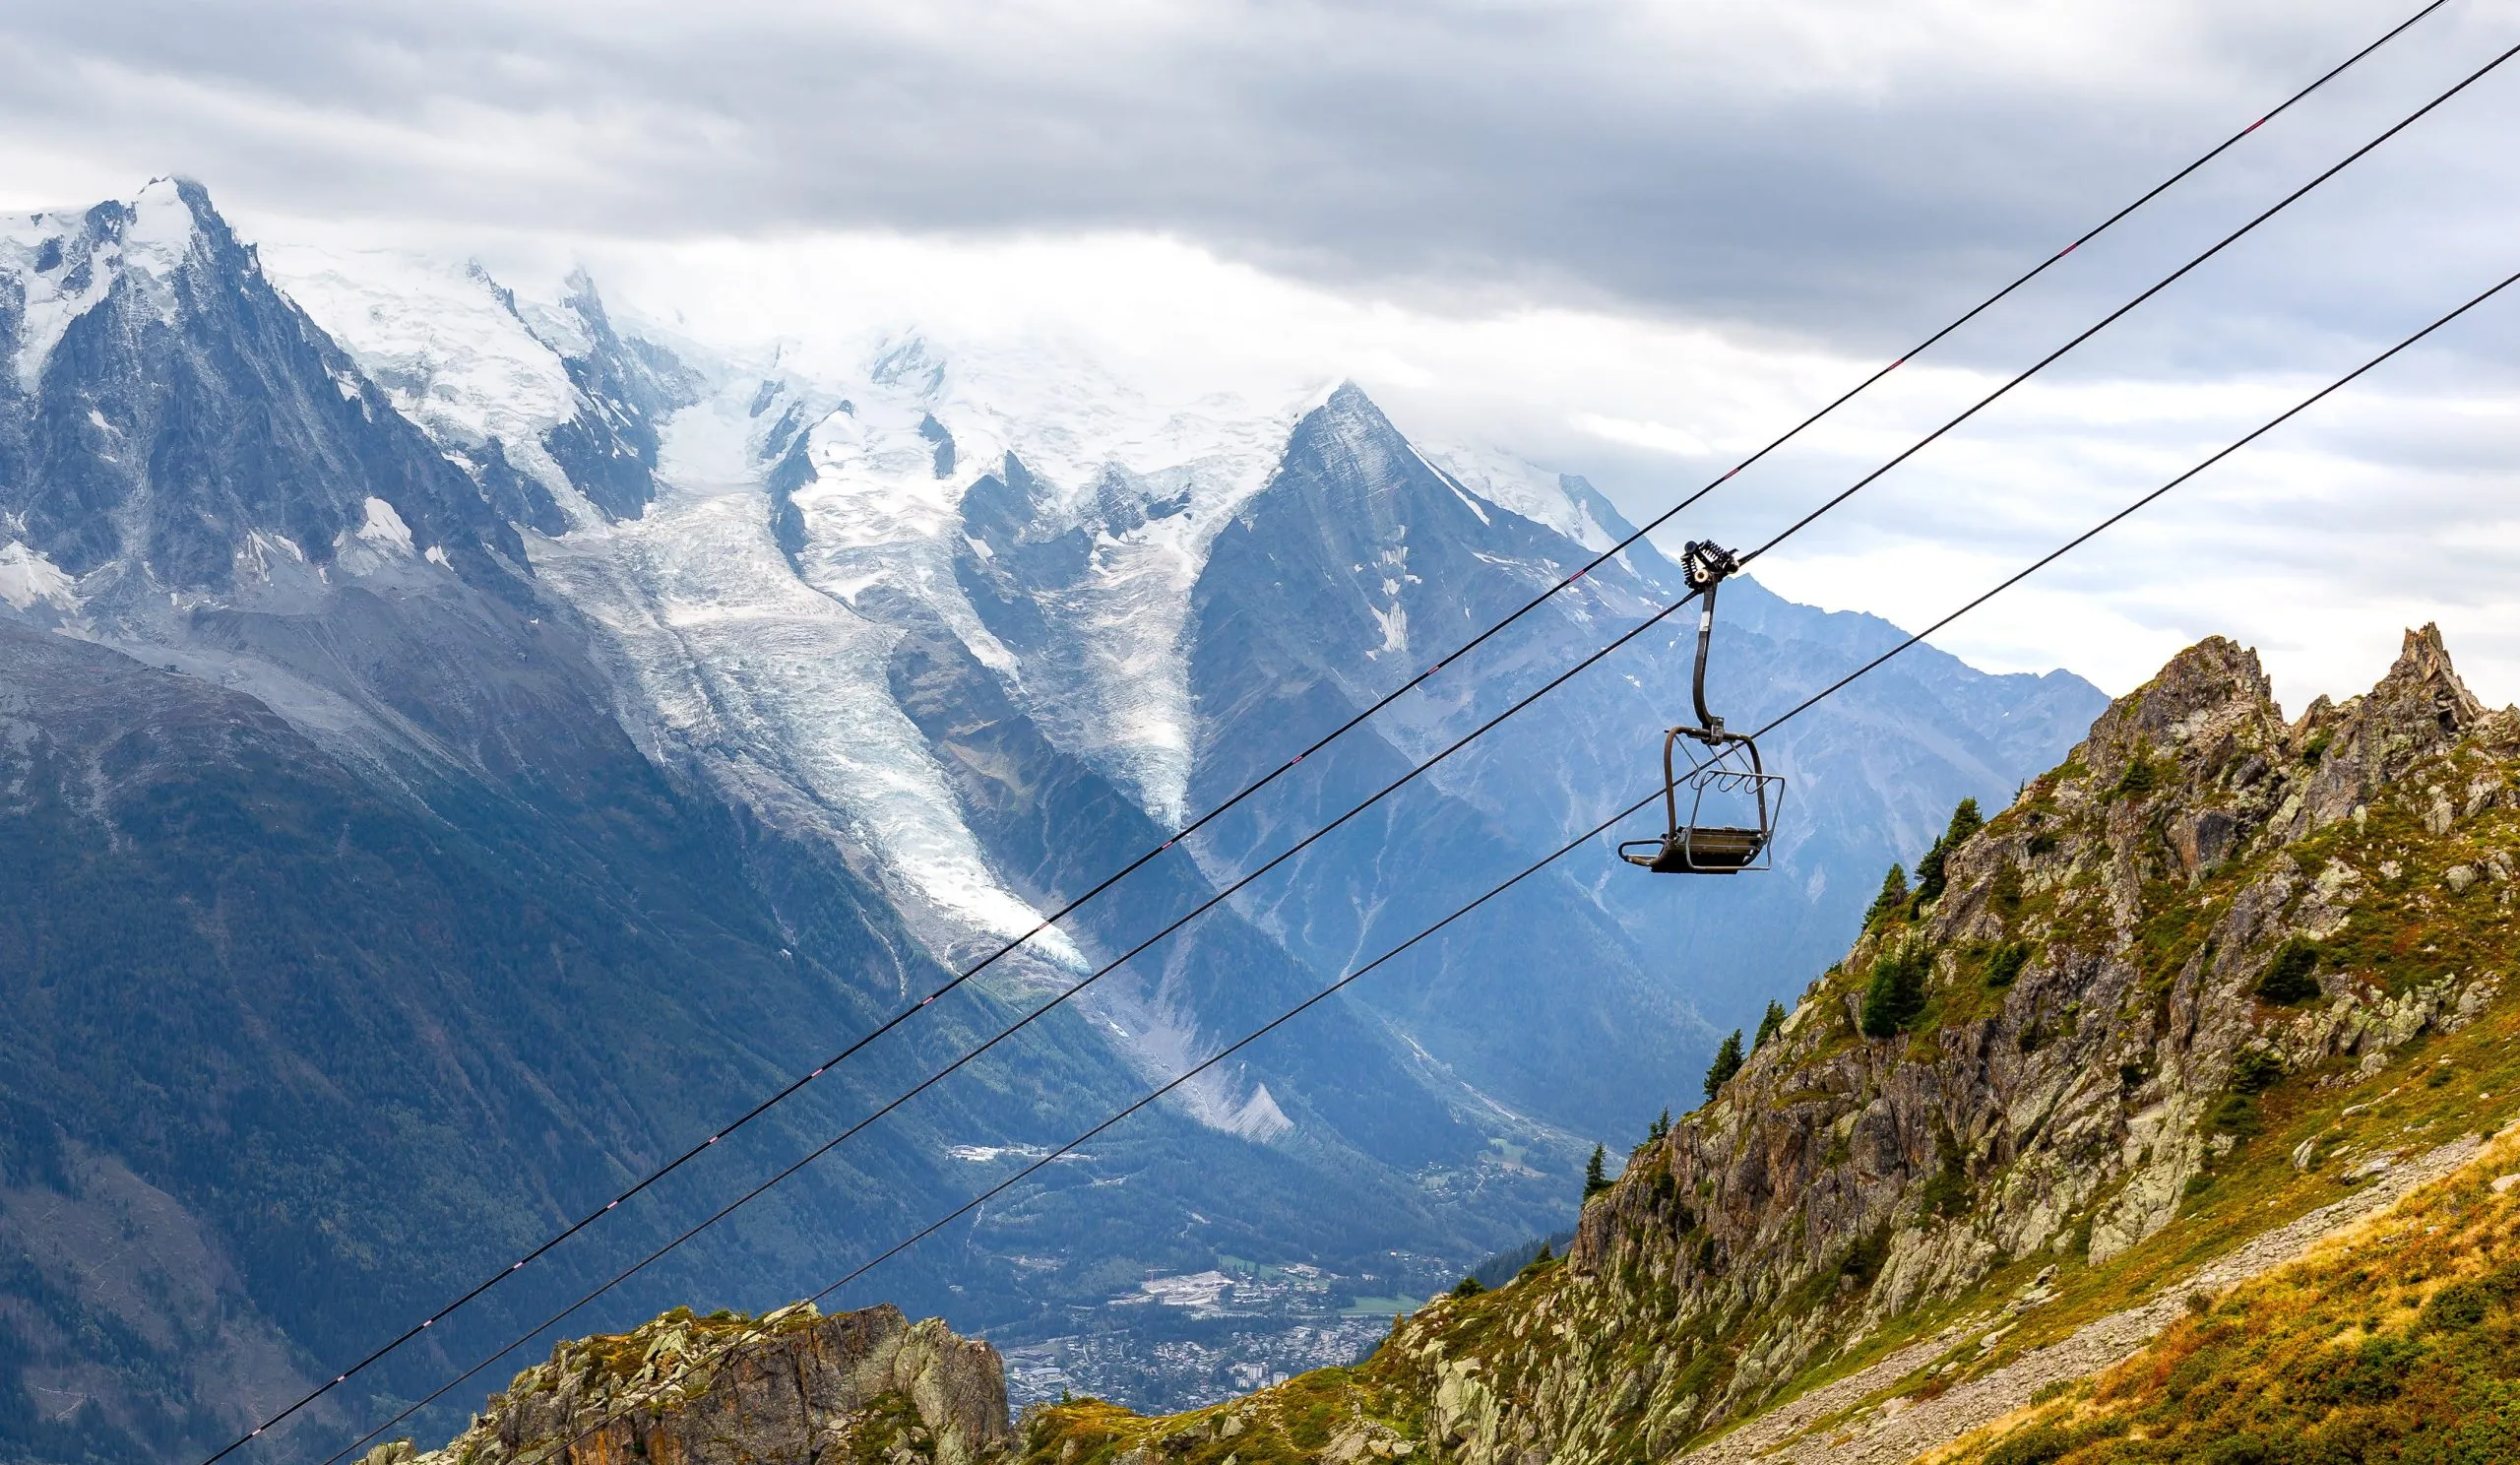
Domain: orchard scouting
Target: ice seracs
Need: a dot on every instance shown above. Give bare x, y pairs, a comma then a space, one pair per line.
728, 663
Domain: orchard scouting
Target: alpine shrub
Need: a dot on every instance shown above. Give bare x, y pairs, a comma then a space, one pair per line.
1947, 1193
2256, 1072
2248, 1450
2377, 1371
2236, 1115
2457, 1308
2041, 1447
2004, 963
1893, 896
2291, 977
1864, 1261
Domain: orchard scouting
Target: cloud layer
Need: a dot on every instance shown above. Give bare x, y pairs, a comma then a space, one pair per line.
1626, 239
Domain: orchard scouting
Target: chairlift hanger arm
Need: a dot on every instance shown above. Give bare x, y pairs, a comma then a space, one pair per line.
1706, 564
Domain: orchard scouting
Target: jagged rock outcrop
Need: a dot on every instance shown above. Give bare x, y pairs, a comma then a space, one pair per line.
2036, 1062
791, 1387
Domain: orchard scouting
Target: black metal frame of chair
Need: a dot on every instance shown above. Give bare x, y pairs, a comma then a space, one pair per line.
1694, 848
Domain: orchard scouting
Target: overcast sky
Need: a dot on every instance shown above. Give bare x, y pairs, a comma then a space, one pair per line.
1625, 241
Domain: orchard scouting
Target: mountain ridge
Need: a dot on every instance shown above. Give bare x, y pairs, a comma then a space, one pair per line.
2055, 1081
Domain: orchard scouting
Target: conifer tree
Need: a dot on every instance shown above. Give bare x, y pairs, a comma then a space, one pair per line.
1595, 1182
1895, 995
1727, 1061
1894, 894
1965, 821
1769, 1024
1655, 1131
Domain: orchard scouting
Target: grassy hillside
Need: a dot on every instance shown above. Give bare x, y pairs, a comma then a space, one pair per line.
2400, 1342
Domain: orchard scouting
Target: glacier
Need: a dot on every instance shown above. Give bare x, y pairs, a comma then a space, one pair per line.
761, 665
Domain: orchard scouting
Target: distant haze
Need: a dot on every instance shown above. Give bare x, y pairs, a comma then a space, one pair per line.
1624, 240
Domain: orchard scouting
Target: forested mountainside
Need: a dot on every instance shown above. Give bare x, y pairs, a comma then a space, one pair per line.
462, 750
2142, 1033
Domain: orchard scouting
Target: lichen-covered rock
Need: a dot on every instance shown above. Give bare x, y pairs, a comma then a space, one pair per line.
792, 1387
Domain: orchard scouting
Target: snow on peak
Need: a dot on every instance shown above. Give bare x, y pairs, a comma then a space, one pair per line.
67, 262
382, 528
451, 348
161, 229
381, 544
1566, 504
908, 366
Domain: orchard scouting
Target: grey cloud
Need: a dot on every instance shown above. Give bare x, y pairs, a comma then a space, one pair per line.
1850, 173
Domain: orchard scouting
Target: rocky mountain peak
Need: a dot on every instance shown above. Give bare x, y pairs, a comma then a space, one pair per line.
1348, 451
180, 423
2207, 698
2355, 750
2421, 706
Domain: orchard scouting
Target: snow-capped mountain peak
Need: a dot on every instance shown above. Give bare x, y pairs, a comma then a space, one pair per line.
67, 262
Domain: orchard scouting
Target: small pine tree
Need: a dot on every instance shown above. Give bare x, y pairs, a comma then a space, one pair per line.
1469, 1287
1655, 1131
1965, 821
1768, 1025
1895, 995
1882, 1000
1894, 895
1727, 1061
1595, 1181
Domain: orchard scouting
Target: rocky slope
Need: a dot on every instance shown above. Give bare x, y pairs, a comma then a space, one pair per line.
2144, 1016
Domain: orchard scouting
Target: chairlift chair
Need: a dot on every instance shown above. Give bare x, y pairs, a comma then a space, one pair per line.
1730, 771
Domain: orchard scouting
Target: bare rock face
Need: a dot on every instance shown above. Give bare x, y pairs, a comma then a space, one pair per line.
792, 1387
2416, 712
